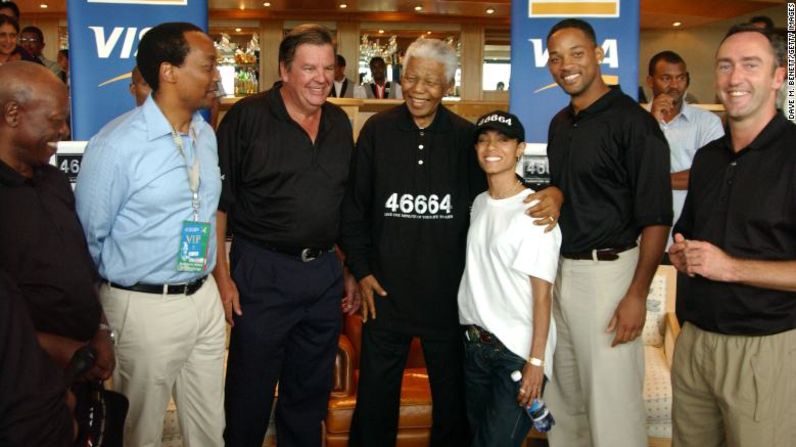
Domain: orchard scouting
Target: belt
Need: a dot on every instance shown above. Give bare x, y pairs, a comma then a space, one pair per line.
475, 333
169, 289
304, 254
600, 254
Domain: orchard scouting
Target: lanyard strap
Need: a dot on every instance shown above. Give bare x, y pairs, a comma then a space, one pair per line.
193, 170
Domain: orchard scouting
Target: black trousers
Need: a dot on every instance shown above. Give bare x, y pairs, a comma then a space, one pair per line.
288, 333
381, 366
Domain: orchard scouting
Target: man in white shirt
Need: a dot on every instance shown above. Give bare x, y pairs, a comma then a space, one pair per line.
343, 87
381, 88
686, 128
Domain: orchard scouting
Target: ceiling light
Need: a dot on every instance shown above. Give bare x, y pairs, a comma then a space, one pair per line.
418, 8
381, 31
267, 5
43, 6
237, 30
343, 6
677, 24
490, 10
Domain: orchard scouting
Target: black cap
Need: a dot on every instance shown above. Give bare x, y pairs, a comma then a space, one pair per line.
503, 122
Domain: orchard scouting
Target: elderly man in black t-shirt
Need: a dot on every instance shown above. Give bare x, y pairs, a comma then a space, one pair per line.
734, 370
611, 160
405, 221
42, 245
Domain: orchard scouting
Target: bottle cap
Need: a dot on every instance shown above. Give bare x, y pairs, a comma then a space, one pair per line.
516, 376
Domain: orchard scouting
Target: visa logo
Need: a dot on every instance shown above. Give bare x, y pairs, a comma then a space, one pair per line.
610, 48
106, 45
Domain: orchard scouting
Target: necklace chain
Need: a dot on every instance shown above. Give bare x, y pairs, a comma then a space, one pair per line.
508, 193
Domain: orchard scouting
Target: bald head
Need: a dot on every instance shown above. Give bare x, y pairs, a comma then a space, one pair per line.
34, 107
23, 81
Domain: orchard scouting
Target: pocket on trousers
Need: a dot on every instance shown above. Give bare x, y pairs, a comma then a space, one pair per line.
122, 314
763, 376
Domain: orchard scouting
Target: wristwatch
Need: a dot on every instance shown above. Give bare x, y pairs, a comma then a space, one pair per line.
111, 332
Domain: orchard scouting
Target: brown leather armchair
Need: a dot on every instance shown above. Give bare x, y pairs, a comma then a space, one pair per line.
414, 415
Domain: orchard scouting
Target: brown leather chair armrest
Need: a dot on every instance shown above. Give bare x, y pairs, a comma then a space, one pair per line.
343, 368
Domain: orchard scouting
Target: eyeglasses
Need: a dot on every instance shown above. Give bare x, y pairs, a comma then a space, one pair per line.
28, 40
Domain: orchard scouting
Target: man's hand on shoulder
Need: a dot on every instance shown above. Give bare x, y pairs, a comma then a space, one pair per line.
547, 208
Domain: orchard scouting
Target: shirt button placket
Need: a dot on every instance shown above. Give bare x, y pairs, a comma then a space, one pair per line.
420, 146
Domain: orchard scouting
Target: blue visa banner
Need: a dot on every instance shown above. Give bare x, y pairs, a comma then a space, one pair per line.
534, 97
103, 38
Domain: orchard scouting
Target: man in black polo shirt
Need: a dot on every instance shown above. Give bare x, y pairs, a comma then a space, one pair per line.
42, 246
734, 370
285, 156
611, 161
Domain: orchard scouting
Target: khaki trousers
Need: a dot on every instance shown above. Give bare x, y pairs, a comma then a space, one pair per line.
169, 344
595, 393
735, 391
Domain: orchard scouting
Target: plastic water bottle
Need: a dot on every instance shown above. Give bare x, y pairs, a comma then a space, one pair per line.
538, 412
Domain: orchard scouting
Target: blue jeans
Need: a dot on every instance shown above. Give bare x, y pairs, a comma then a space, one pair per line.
495, 417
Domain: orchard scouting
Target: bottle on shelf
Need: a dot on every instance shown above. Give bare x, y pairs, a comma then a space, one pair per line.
538, 412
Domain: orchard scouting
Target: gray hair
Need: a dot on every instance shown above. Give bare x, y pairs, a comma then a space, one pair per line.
437, 50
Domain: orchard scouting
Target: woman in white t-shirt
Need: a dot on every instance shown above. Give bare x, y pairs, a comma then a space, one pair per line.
504, 296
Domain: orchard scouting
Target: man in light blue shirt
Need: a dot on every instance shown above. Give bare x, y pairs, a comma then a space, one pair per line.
147, 196
687, 128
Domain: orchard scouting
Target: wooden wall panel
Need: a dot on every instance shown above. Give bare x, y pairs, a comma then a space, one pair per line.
472, 60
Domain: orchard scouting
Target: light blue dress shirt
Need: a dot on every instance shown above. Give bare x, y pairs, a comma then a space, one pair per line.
691, 129
133, 195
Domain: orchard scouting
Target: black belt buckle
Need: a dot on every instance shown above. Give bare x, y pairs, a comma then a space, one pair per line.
310, 254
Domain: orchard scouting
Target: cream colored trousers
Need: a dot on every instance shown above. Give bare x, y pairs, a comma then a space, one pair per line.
595, 393
169, 344
733, 390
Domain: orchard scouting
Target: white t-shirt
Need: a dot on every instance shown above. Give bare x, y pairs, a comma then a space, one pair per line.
504, 248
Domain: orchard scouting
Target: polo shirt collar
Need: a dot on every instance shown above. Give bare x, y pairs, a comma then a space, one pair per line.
441, 122
10, 177
604, 102
156, 123
277, 105
767, 138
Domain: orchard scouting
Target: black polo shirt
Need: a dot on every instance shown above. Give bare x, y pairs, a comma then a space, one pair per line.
43, 248
745, 204
406, 215
611, 161
33, 409
278, 188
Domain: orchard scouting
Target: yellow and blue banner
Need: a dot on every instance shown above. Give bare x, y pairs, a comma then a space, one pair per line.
103, 38
535, 98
